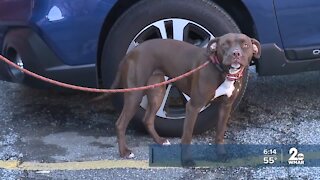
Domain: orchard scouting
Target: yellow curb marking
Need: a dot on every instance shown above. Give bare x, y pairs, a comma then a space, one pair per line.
9, 164
103, 164
121, 164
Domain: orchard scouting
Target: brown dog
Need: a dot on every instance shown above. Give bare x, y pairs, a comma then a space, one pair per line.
149, 62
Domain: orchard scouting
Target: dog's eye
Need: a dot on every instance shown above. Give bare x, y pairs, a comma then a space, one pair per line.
245, 45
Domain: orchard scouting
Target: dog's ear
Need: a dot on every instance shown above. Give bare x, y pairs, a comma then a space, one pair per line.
212, 46
256, 48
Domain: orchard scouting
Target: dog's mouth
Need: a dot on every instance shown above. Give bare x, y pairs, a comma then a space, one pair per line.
235, 68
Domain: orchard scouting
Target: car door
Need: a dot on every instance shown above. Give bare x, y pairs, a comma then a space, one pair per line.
299, 28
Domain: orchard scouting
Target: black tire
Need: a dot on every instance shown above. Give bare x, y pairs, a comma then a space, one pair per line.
145, 12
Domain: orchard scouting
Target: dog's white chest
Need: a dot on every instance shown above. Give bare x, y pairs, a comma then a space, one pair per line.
226, 88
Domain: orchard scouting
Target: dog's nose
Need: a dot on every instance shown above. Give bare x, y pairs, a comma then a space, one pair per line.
236, 53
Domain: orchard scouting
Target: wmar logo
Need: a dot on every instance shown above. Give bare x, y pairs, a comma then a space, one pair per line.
296, 157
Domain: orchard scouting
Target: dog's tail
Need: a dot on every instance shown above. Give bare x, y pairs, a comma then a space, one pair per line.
115, 85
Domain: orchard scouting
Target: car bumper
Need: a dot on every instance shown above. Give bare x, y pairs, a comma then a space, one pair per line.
39, 58
273, 61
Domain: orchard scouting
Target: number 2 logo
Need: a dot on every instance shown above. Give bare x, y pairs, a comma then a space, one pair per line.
295, 155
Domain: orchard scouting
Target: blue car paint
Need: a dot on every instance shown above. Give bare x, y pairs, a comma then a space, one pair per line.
298, 22
71, 28
264, 17
81, 47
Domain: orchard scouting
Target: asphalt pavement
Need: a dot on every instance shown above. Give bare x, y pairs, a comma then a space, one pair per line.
50, 127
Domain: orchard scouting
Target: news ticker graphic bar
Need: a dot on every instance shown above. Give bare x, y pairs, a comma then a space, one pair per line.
235, 155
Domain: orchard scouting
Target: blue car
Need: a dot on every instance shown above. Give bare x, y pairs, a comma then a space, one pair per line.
82, 41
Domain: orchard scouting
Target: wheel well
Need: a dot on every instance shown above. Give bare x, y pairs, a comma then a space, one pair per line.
240, 14
236, 9
119, 8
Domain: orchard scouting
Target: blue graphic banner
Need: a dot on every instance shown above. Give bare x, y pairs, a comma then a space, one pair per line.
234, 155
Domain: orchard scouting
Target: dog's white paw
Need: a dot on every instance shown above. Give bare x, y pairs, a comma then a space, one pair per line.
131, 156
166, 143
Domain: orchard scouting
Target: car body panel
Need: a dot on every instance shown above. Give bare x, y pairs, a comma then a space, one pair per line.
264, 17
69, 31
15, 11
298, 22
299, 29
71, 28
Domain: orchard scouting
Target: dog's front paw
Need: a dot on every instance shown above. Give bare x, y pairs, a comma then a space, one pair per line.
130, 156
166, 143
221, 150
222, 154
188, 163
223, 158
127, 155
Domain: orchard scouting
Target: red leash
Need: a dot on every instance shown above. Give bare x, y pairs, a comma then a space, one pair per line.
95, 90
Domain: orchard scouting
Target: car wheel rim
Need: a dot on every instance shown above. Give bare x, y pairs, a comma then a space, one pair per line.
17, 59
173, 104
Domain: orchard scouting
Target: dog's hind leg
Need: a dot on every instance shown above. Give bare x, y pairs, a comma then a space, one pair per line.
131, 103
155, 97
